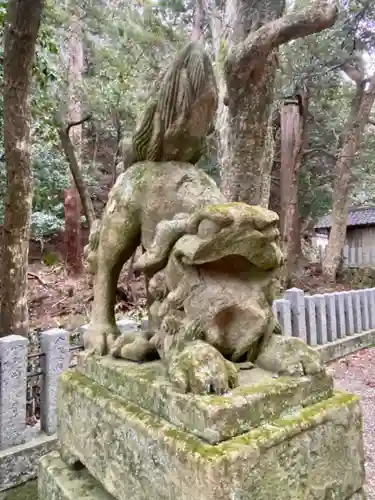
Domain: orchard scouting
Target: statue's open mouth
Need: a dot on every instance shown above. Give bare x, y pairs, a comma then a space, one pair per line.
258, 248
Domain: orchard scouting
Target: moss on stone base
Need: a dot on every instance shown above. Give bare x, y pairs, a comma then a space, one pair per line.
28, 491
313, 453
58, 481
258, 399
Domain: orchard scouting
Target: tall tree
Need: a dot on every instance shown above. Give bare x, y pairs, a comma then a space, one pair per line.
22, 25
251, 33
72, 205
349, 142
293, 119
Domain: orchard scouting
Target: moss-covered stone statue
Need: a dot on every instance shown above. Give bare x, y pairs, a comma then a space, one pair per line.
212, 265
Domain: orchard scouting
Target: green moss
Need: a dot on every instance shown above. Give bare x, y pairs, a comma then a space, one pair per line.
185, 443
250, 210
28, 491
273, 387
51, 258
74, 382
135, 175
188, 443
225, 207
291, 425
223, 52
138, 172
226, 415
310, 413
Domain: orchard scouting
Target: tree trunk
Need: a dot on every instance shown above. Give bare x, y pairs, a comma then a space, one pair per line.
252, 33
198, 19
23, 22
117, 153
350, 141
293, 139
72, 206
275, 189
80, 184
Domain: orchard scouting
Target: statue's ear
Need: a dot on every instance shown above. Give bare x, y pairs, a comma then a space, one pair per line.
221, 219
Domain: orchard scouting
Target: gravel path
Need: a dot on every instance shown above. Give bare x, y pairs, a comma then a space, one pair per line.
356, 373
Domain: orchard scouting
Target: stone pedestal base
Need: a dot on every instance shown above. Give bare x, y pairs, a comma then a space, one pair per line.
232, 447
56, 481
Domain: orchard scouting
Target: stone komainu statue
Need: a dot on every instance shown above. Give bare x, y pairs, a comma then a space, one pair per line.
180, 113
212, 265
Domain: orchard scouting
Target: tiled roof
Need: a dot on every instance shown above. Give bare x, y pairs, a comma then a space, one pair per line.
357, 217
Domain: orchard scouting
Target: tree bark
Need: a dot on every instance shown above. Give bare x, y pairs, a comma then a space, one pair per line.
22, 25
253, 32
293, 139
350, 140
275, 188
198, 19
117, 153
72, 234
75, 170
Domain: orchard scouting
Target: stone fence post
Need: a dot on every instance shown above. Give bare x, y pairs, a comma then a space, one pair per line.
56, 359
321, 318
364, 310
356, 300
13, 380
371, 300
349, 313
296, 298
282, 311
341, 322
311, 335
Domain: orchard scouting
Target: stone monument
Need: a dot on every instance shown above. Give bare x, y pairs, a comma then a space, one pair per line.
212, 402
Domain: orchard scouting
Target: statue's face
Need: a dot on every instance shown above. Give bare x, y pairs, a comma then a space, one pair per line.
240, 229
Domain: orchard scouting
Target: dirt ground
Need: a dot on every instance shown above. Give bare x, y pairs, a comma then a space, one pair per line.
58, 300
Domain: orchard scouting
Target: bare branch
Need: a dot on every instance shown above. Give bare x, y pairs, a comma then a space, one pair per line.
259, 44
319, 150
68, 149
79, 122
37, 277
354, 73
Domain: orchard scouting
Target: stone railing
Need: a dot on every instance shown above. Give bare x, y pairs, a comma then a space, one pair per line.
335, 323
323, 318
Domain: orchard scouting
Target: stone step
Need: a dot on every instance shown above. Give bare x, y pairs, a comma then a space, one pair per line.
56, 481
260, 397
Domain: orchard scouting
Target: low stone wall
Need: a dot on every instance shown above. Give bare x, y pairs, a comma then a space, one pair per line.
324, 318
349, 345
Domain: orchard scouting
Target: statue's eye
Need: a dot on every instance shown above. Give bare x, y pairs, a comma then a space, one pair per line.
208, 228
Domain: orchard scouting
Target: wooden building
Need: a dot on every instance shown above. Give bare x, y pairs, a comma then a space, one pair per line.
359, 247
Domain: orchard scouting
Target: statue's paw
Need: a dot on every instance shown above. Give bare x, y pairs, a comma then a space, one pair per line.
98, 339
290, 356
201, 369
134, 346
